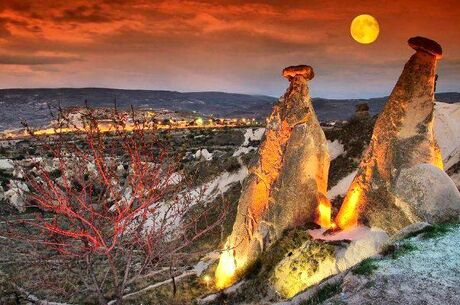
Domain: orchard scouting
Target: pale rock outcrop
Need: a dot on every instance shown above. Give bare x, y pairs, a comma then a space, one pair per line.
6, 165
403, 137
447, 131
317, 260
287, 179
15, 195
426, 193
2, 193
203, 155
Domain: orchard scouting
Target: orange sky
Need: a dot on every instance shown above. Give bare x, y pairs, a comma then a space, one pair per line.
234, 46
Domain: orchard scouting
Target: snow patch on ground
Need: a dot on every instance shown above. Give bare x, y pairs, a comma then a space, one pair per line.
427, 275
220, 184
249, 135
203, 154
447, 131
242, 150
205, 193
175, 178
253, 135
341, 188
335, 149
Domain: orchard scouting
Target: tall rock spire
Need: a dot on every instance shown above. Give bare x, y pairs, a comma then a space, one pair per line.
402, 138
287, 180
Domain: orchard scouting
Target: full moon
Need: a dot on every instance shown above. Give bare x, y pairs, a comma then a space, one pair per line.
364, 29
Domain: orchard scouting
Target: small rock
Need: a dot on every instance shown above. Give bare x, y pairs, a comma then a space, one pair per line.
411, 229
6, 165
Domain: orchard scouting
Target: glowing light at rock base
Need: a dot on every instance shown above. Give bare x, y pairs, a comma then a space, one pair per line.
324, 212
349, 212
225, 272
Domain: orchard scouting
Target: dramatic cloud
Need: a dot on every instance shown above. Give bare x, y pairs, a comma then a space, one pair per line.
30, 60
229, 45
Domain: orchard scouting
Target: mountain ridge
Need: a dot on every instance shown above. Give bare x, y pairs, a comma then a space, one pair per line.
31, 104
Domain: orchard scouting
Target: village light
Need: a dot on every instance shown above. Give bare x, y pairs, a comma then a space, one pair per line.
199, 121
207, 279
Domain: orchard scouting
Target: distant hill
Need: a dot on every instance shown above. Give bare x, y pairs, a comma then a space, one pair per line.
32, 104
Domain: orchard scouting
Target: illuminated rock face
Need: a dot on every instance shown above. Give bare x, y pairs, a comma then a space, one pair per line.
402, 138
316, 260
287, 180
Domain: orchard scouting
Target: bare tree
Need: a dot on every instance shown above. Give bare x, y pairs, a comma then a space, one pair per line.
110, 205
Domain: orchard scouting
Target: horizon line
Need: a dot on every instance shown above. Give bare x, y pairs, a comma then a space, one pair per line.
204, 91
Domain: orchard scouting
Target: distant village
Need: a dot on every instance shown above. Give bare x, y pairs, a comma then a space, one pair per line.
158, 118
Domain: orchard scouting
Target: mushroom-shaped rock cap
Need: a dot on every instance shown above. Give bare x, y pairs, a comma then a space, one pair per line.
304, 70
426, 45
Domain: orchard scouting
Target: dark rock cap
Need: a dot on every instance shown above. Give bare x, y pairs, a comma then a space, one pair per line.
304, 70
426, 45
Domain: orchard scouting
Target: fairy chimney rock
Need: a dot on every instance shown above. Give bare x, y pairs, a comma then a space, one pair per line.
287, 179
402, 138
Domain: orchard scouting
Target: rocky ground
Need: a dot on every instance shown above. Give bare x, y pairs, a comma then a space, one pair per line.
219, 159
425, 270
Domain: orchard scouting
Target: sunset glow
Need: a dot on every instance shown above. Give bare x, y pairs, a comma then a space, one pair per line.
231, 45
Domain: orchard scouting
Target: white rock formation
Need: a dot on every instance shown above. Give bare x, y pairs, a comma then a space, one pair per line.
447, 131
426, 193
15, 195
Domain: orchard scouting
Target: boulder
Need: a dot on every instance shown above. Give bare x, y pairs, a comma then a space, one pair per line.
287, 179
15, 195
6, 165
402, 138
317, 260
446, 130
304, 267
426, 193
